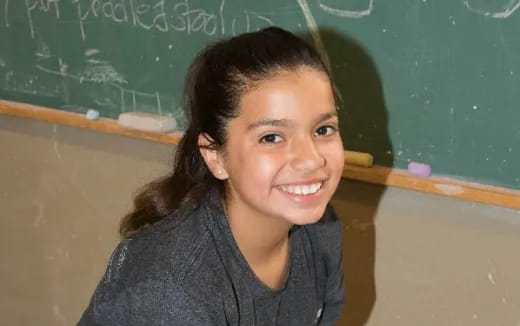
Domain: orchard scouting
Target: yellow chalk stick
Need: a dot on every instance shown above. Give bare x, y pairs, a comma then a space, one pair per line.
358, 158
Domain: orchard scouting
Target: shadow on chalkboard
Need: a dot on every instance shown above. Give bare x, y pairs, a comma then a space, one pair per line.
364, 128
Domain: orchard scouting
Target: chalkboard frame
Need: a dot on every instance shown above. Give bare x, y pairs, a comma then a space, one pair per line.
377, 174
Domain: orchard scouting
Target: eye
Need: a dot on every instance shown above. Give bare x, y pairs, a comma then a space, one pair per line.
325, 131
271, 139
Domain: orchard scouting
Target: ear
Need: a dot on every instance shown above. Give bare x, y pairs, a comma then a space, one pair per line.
212, 157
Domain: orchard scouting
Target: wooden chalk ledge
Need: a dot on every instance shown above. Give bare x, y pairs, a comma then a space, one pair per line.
358, 166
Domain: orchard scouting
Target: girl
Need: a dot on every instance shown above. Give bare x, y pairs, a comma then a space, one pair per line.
241, 232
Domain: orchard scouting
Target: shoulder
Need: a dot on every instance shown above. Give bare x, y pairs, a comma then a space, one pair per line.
172, 245
172, 252
159, 274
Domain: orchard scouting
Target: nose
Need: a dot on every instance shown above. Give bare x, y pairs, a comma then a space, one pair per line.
305, 156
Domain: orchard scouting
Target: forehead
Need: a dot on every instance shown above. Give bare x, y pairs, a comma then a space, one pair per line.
288, 95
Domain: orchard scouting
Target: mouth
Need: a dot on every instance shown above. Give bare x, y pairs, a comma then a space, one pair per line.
302, 189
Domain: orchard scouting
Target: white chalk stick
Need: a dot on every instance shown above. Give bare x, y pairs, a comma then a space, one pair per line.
147, 122
92, 114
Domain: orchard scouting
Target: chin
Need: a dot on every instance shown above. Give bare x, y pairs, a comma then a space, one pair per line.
307, 218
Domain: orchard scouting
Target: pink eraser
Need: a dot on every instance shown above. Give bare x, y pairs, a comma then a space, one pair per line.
419, 169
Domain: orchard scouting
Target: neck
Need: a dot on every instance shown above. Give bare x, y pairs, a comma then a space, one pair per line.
258, 237
263, 241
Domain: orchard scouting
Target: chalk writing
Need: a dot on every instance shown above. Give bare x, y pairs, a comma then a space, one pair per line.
43, 6
132, 100
24, 83
42, 55
505, 10
187, 15
251, 21
112, 95
144, 15
151, 15
190, 20
101, 72
96, 71
89, 52
347, 13
502, 9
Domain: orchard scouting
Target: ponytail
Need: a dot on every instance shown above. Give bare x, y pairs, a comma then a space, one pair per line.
189, 180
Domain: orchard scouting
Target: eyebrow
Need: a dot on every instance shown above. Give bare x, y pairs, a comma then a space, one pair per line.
286, 122
268, 122
327, 116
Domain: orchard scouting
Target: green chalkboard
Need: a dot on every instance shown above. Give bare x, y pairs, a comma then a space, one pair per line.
418, 80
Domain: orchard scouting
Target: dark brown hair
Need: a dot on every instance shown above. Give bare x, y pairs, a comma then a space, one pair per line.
214, 84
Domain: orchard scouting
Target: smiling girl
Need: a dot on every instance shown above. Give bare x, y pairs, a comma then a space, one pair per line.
241, 232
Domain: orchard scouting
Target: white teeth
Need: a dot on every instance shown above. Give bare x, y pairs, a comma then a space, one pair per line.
303, 190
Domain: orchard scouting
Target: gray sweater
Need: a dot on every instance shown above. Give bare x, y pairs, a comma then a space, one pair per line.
188, 270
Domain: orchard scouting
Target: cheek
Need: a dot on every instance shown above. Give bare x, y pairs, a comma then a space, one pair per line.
263, 167
254, 168
336, 157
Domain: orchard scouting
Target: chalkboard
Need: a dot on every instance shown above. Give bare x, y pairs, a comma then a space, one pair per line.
417, 80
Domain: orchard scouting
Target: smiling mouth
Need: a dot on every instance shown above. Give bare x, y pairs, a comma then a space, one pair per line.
308, 189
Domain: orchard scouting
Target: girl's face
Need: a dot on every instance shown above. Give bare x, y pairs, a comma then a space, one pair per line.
284, 156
